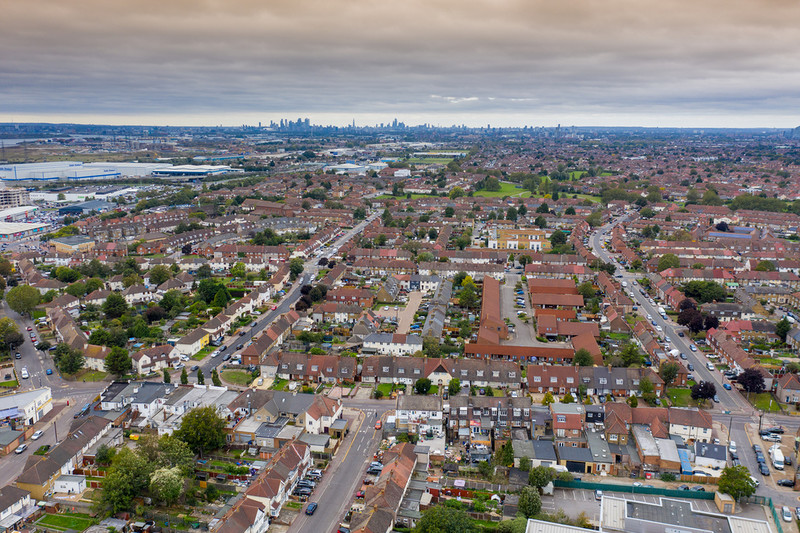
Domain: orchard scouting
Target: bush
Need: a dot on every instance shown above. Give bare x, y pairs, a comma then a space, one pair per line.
667, 476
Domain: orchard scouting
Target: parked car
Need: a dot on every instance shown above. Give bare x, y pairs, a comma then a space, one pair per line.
21, 448
734, 455
226, 357
771, 437
756, 448
764, 469
690, 366
49, 372
698, 488
378, 424
598, 495
17, 355
785, 482
311, 508
37, 435
776, 429
786, 514
726, 386
683, 487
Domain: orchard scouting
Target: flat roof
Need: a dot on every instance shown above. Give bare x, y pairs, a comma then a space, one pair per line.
19, 227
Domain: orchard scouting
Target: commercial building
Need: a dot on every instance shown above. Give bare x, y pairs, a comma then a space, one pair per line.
14, 231
27, 407
18, 214
73, 244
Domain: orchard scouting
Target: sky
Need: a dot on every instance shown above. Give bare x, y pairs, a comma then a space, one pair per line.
667, 63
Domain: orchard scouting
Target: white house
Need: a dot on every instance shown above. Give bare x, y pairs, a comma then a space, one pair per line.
690, 424
28, 406
710, 456
321, 414
392, 344
418, 414
70, 484
192, 342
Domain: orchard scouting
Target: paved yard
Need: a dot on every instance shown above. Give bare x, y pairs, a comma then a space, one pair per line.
407, 314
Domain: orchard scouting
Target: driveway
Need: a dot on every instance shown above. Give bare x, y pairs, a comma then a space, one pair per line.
407, 314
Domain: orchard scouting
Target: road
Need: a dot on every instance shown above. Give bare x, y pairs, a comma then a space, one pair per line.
310, 270
734, 411
728, 400
346, 472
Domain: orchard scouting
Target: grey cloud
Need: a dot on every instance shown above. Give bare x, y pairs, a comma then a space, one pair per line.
366, 56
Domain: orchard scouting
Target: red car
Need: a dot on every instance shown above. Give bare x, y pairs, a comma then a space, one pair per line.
378, 424
30, 328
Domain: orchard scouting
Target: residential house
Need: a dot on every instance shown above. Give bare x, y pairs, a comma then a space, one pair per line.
419, 414
788, 389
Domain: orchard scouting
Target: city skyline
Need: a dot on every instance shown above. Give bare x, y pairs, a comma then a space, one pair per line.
504, 63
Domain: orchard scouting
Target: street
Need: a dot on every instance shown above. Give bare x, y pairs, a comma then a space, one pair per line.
347, 469
733, 411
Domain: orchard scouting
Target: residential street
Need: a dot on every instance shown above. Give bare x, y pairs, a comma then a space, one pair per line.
346, 472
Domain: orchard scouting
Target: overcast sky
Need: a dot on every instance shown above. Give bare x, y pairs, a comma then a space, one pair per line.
504, 62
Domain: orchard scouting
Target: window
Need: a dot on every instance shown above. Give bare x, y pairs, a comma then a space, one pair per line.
314, 368
537, 379
463, 372
416, 371
386, 369
495, 373
479, 373
561, 419
570, 380
553, 379
603, 381
401, 370
635, 382
619, 382
299, 366
371, 368
512, 374
586, 380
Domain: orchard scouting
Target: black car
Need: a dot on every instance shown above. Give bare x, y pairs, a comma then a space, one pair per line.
17, 355
734, 455
302, 491
240, 346
764, 469
756, 448
775, 429
681, 334
785, 482
760, 457
690, 366
226, 357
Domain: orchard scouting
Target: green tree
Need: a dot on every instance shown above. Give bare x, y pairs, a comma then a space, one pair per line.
568, 398
215, 378
630, 354
115, 306
204, 272
782, 328
23, 299
668, 261
703, 391
737, 482
202, 429
548, 398
525, 464
201, 379
296, 268
595, 219
558, 238
647, 390
633, 401
454, 387
669, 372
486, 469
540, 222
159, 274
586, 289
583, 358
184, 377
66, 359
540, 476
128, 478
77, 289
166, 485
456, 192
467, 297
766, 266
167, 378
422, 386
530, 503
751, 380
118, 362
222, 298
704, 291
505, 455
442, 519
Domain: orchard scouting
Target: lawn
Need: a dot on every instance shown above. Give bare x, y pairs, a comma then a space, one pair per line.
204, 352
506, 189
680, 397
429, 160
279, 384
385, 388
63, 521
88, 374
10, 384
414, 196
763, 401
434, 390
237, 377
